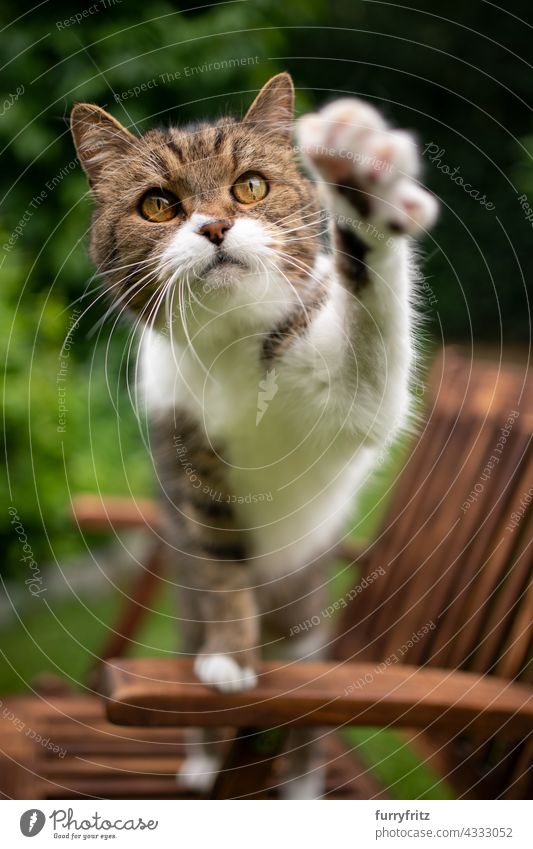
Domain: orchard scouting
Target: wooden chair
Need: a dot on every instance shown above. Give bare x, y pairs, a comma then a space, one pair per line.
438, 645
456, 549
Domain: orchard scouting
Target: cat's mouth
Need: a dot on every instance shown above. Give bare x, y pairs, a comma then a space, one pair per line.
222, 259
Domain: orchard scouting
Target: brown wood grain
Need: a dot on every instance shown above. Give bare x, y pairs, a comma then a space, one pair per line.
102, 513
160, 691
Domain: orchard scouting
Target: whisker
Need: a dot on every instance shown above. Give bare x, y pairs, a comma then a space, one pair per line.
186, 330
301, 238
296, 212
148, 327
115, 323
135, 289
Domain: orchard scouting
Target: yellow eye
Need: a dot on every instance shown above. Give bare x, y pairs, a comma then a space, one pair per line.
250, 187
159, 206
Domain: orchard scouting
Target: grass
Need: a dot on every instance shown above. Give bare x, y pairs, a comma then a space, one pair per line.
59, 638
64, 638
393, 762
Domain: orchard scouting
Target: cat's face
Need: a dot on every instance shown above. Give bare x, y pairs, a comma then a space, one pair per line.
217, 213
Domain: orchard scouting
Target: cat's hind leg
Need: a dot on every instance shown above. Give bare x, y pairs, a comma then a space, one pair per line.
199, 770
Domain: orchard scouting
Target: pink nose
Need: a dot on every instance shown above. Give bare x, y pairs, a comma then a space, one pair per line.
215, 231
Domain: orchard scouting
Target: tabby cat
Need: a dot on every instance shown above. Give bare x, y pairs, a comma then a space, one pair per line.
275, 345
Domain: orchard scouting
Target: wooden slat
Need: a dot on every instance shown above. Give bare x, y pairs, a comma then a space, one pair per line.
425, 569
365, 624
123, 766
515, 659
493, 562
97, 513
500, 616
421, 491
248, 764
126, 763
158, 691
18, 757
520, 782
103, 787
478, 554
347, 777
450, 757
425, 563
135, 607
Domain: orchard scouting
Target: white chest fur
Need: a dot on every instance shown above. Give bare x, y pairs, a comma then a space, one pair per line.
292, 479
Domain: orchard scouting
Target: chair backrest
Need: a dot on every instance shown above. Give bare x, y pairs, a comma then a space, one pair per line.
455, 545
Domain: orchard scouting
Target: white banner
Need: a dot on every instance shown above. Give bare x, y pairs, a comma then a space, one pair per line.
267, 824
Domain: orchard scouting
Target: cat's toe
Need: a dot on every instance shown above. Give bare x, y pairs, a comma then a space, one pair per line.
332, 138
348, 120
385, 156
224, 673
408, 208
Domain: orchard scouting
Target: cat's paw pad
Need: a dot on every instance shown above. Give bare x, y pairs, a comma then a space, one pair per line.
224, 673
198, 772
350, 147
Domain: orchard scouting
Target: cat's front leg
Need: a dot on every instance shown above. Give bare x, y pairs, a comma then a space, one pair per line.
216, 589
222, 623
367, 176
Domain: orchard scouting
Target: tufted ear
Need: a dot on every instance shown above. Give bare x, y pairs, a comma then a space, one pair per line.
99, 140
273, 108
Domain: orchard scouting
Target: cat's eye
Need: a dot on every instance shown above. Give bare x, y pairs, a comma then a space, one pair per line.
250, 187
159, 206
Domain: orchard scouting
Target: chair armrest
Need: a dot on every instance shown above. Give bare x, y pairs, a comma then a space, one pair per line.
97, 513
160, 691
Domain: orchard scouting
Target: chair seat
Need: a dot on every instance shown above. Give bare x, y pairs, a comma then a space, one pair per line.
64, 748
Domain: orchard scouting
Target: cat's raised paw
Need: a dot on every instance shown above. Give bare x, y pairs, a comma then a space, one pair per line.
224, 673
368, 167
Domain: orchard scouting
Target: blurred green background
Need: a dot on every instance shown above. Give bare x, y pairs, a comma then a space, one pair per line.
453, 73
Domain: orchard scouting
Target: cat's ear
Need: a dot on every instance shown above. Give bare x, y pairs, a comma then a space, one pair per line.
273, 108
99, 140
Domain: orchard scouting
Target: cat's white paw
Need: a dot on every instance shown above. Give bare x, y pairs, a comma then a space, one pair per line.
198, 772
224, 673
350, 147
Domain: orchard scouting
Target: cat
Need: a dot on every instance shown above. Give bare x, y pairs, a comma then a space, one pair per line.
274, 309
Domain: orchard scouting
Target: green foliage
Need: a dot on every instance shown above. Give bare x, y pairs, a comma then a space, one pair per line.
51, 454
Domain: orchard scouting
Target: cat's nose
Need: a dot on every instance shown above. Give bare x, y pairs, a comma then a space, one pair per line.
216, 231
